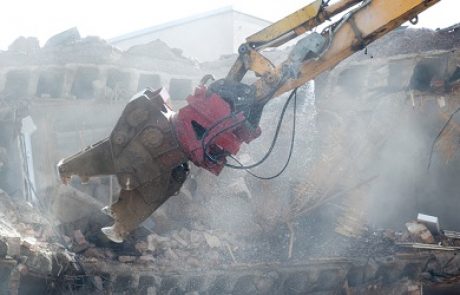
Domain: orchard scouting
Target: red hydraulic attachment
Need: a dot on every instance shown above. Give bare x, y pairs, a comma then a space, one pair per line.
208, 115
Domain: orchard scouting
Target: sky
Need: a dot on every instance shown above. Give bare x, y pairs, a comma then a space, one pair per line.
107, 19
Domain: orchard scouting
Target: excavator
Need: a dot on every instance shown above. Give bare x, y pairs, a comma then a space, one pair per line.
151, 145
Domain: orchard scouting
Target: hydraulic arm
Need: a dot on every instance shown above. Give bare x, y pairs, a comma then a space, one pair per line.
150, 146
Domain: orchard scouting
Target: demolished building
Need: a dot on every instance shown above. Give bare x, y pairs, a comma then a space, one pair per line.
376, 145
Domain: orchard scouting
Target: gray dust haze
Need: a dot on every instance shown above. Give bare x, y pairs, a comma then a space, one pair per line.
368, 156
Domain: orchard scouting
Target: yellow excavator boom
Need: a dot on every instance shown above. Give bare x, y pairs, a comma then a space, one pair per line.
365, 22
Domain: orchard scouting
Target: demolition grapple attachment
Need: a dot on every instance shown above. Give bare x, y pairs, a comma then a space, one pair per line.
144, 154
150, 145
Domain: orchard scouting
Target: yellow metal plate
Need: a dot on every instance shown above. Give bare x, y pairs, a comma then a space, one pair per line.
287, 24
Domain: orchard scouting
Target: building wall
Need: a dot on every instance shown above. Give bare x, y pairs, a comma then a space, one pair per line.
206, 38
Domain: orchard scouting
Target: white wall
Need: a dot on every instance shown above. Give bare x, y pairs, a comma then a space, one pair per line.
205, 39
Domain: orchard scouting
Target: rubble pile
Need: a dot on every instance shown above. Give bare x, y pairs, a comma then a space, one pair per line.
32, 258
69, 46
71, 67
204, 260
22, 219
180, 250
406, 40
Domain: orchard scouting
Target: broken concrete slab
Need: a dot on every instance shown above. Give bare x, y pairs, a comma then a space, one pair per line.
26, 46
431, 222
419, 231
65, 38
155, 49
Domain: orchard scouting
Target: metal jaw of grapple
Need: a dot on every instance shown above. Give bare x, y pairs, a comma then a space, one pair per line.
144, 154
